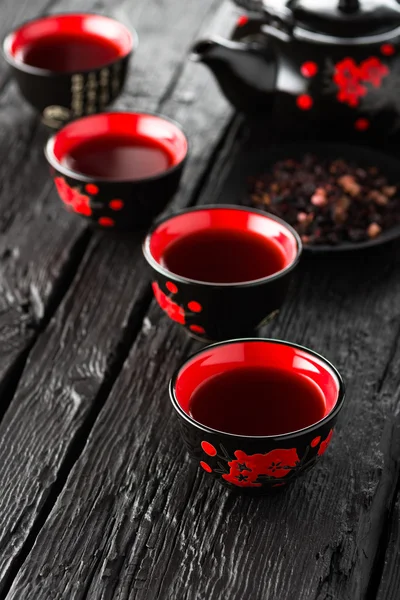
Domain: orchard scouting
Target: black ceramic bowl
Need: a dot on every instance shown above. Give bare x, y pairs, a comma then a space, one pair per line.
254, 161
70, 65
125, 204
256, 464
217, 311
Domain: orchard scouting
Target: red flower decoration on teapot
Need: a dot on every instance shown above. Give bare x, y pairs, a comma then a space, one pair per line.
351, 78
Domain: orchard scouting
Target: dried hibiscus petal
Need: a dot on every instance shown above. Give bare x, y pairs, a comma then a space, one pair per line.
328, 201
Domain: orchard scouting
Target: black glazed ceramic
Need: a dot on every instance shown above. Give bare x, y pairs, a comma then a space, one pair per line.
333, 65
64, 96
128, 205
212, 311
256, 465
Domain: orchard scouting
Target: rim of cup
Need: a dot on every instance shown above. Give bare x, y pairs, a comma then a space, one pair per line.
49, 149
153, 262
324, 363
131, 36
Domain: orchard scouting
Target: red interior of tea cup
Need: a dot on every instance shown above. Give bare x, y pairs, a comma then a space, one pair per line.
70, 42
118, 146
280, 243
258, 354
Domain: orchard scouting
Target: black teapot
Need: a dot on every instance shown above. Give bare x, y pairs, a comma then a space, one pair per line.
314, 65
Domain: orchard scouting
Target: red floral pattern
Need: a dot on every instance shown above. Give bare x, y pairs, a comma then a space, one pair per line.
325, 444
173, 310
362, 124
197, 329
347, 78
205, 466
209, 448
106, 222
350, 78
388, 49
315, 441
73, 198
242, 21
246, 469
116, 204
309, 69
171, 287
373, 70
304, 102
91, 188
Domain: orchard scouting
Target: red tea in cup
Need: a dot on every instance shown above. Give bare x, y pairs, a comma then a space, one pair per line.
224, 256
116, 156
257, 401
66, 52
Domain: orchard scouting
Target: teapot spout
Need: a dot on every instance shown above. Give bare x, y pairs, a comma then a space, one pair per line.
203, 49
245, 72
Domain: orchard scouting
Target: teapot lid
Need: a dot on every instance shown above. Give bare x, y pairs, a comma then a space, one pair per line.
341, 18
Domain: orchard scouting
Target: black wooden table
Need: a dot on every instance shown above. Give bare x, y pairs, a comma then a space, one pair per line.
98, 499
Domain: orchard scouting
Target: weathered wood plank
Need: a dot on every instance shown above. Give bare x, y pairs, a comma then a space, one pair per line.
62, 383
390, 582
162, 530
40, 244
76, 358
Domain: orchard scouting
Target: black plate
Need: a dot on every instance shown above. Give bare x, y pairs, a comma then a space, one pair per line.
253, 162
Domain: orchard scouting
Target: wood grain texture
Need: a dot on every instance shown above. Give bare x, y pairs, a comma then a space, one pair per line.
162, 530
40, 244
390, 582
62, 383
77, 357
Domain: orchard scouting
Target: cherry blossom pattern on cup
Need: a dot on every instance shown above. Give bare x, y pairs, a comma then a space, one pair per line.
73, 198
250, 470
80, 202
175, 311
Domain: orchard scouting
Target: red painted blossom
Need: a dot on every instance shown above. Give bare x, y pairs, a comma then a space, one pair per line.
351, 78
173, 310
347, 77
315, 441
209, 448
197, 329
242, 21
106, 222
195, 306
246, 469
373, 71
91, 188
73, 198
205, 466
325, 443
388, 49
346, 70
171, 287
309, 69
362, 124
116, 204
304, 102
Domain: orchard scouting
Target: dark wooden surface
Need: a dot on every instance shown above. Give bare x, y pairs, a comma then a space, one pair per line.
98, 499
